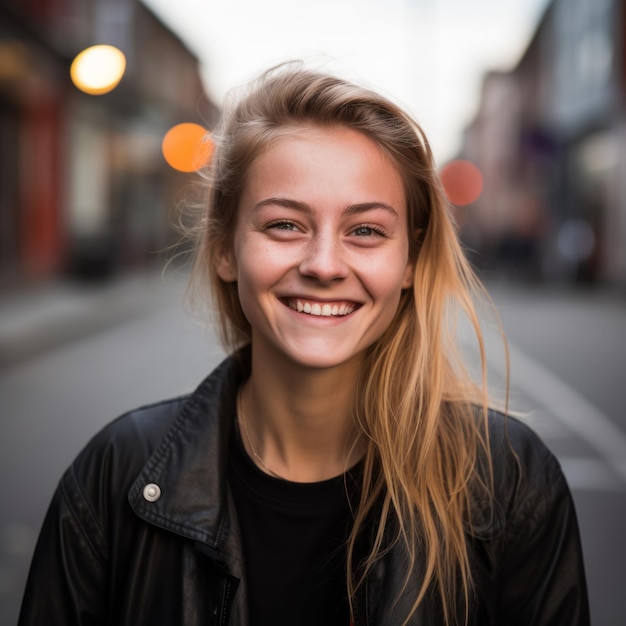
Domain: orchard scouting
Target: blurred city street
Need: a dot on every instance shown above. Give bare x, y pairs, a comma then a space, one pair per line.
131, 341
100, 148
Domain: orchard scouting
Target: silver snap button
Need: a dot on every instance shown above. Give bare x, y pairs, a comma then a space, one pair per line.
152, 492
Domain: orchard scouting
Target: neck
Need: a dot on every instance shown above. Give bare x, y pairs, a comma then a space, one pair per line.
298, 423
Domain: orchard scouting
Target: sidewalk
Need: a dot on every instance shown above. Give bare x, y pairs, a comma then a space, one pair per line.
44, 317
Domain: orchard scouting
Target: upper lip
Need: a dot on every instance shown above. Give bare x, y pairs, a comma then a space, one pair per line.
337, 300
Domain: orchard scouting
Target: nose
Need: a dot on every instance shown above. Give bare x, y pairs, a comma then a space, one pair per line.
324, 259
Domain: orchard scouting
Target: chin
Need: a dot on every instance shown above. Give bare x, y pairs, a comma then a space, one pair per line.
325, 359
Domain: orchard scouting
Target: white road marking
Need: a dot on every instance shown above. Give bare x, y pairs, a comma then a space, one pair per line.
584, 473
570, 407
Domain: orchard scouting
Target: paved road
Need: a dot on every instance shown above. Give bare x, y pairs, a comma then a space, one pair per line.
567, 362
568, 358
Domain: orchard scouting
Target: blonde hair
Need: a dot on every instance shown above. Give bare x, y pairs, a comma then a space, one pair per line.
416, 403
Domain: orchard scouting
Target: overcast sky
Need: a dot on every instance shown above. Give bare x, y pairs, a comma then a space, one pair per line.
428, 55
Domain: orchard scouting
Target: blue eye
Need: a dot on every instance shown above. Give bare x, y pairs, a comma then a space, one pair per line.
368, 231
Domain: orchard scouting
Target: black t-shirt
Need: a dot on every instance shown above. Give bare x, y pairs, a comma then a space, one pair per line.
294, 542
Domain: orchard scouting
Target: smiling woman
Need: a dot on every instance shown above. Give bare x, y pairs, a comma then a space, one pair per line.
341, 466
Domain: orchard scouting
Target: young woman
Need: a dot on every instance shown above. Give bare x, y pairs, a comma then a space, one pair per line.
340, 467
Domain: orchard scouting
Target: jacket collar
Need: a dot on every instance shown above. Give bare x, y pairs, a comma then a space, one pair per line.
188, 466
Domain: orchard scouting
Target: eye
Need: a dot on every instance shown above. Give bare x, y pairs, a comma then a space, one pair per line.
368, 231
282, 225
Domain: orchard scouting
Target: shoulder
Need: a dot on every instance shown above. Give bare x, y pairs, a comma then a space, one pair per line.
528, 482
129, 440
534, 566
519, 455
518, 478
114, 457
95, 486
92, 492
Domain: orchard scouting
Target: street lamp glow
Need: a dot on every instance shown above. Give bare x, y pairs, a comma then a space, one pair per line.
98, 69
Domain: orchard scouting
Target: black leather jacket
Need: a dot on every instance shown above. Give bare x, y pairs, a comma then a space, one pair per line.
142, 531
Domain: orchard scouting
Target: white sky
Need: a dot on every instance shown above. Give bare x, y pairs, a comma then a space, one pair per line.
428, 55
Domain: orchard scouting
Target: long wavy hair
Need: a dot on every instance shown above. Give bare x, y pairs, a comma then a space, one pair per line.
417, 403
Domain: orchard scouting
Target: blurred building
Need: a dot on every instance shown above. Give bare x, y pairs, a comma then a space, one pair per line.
550, 139
83, 184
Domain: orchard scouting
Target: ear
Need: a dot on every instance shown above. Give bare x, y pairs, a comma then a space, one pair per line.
409, 272
226, 265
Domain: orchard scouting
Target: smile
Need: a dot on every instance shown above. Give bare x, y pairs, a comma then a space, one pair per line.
326, 309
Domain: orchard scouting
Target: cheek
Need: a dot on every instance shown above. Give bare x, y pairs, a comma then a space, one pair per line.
248, 300
390, 275
257, 274
257, 266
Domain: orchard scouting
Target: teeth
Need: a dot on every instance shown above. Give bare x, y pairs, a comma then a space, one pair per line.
325, 310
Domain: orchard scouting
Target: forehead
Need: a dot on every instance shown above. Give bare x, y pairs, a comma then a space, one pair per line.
317, 158
330, 135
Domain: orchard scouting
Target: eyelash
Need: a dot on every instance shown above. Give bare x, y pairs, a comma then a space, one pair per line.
281, 225
376, 230
287, 225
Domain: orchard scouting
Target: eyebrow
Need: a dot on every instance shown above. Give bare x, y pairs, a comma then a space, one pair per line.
352, 209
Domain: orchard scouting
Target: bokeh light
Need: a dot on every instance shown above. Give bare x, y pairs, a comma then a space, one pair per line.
187, 147
462, 182
98, 69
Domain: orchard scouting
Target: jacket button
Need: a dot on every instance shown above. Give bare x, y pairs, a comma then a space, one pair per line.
151, 492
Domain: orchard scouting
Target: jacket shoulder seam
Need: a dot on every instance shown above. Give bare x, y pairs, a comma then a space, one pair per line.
83, 515
180, 400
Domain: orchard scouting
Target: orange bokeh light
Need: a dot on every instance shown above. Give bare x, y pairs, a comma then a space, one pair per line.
462, 182
187, 147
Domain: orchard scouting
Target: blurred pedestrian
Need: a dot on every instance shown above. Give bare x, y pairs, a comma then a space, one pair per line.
340, 466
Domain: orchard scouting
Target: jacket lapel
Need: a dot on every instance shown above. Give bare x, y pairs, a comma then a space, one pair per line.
189, 465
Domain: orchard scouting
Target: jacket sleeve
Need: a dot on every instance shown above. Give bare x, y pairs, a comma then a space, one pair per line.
542, 572
67, 583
